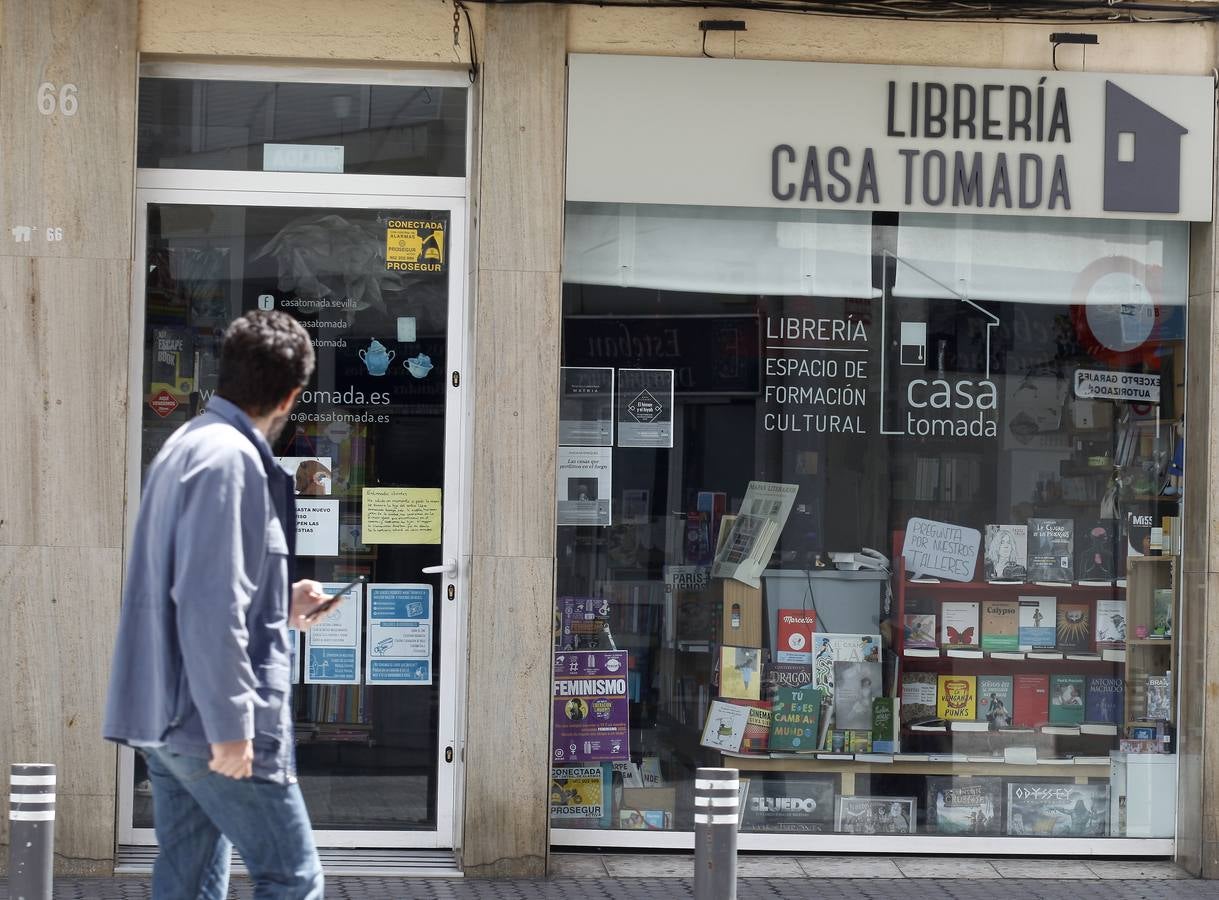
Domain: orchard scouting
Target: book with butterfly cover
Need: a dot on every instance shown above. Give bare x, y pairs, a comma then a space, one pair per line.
1000, 625
960, 624
1038, 623
1074, 626
1052, 550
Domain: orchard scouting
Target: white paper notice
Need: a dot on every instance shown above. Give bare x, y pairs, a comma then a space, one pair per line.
332, 646
317, 528
585, 476
399, 634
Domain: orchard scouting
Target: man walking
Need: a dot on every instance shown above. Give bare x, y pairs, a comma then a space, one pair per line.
201, 677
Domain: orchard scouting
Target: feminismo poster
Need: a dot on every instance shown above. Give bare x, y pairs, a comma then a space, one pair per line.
591, 718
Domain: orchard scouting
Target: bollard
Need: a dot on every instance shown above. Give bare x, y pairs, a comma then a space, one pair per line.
31, 840
716, 800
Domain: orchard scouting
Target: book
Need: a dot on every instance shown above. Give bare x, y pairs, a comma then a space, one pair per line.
1059, 810
858, 741
1105, 700
876, 815
829, 648
959, 624
1066, 699
1110, 628
1006, 550
964, 805
995, 701
784, 675
794, 643
725, 726
957, 697
1037, 626
1096, 542
856, 685
1161, 612
795, 717
741, 673
1051, 550
919, 631
918, 696
801, 804
1000, 625
885, 720
1074, 626
1030, 700
1159, 697
756, 738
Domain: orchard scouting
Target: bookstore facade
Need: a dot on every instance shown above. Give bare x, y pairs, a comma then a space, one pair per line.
871, 454
823, 420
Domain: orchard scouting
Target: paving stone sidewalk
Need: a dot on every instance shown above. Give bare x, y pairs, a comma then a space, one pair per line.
645, 877
652, 888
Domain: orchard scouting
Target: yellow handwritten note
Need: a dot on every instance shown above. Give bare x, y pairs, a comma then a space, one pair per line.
401, 516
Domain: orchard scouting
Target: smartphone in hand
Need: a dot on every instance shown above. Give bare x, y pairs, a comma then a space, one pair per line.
330, 601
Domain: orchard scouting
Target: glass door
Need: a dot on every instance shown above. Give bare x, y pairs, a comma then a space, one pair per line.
374, 446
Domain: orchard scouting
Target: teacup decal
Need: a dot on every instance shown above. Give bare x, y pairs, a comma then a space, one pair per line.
376, 358
419, 365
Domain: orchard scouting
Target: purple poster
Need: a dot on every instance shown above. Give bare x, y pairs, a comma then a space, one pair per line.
591, 720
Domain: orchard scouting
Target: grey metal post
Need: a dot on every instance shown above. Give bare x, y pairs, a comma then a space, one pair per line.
31, 841
716, 801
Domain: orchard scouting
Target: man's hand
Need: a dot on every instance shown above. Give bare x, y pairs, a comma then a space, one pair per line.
306, 595
233, 759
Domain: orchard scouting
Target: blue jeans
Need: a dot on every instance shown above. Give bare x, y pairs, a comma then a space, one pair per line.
200, 816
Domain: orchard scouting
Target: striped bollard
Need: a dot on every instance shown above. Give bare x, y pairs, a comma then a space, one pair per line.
31, 841
716, 798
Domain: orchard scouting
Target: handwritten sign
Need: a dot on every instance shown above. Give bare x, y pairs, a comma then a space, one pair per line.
941, 550
401, 516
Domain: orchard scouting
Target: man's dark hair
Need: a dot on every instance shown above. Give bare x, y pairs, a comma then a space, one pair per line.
265, 356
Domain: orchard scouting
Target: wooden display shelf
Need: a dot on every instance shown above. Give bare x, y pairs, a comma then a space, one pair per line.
848, 768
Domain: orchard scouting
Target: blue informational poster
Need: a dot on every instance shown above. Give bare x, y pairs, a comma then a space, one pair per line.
399, 634
332, 646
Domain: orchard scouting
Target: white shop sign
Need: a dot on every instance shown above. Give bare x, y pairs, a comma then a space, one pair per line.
1134, 387
759, 133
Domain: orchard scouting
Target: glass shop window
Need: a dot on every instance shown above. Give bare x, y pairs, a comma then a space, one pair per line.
262, 126
882, 511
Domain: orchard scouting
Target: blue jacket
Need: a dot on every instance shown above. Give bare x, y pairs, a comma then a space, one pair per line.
202, 654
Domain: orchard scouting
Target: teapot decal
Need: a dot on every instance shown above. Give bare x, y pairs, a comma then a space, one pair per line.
376, 358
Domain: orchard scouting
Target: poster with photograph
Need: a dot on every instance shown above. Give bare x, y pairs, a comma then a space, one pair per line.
311, 475
586, 407
875, 815
645, 408
591, 714
399, 634
332, 646
585, 475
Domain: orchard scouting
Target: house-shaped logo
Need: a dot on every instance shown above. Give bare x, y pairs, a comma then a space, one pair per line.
1142, 156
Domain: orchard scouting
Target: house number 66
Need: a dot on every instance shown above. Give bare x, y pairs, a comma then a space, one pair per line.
64, 100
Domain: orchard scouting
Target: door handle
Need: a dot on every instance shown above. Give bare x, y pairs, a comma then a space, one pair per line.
449, 569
